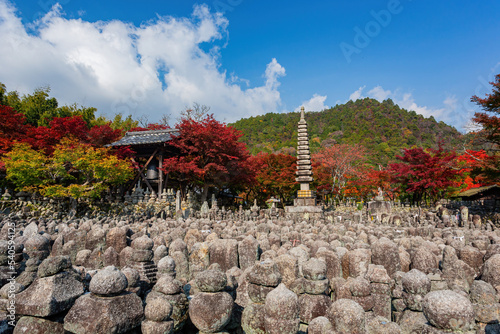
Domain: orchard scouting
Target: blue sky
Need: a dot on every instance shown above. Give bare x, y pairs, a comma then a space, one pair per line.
244, 58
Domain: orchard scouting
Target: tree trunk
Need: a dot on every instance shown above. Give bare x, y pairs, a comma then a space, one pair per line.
73, 207
204, 195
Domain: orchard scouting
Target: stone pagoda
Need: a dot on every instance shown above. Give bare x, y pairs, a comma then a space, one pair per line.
304, 168
306, 198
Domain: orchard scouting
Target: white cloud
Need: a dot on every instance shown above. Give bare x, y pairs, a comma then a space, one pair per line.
448, 113
379, 94
451, 102
357, 94
316, 103
408, 102
273, 71
156, 68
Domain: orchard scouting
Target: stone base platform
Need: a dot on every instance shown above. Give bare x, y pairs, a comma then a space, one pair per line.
379, 207
304, 201
305, 211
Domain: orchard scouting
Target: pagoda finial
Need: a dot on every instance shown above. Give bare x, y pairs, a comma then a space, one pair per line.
302, 109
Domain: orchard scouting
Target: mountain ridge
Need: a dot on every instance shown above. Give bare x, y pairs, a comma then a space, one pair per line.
383, 128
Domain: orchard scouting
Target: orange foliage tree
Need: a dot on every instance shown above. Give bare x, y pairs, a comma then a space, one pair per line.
366, 185
472, 165
333, 167
274, 177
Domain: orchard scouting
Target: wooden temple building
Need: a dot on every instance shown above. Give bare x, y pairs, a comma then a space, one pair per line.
152, 147
489, 193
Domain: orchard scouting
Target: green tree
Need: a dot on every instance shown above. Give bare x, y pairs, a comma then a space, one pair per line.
87, 113
3, 93
39, 107
13, 100
118, 122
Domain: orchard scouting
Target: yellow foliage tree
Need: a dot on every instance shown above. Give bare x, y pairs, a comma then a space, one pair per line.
74, 170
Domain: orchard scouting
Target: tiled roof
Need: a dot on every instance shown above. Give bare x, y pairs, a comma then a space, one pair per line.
146, 137
475, 191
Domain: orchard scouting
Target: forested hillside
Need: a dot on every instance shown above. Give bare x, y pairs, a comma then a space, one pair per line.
384, 128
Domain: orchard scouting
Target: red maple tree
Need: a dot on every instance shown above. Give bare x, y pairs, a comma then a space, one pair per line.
12, 128
46, 138
426, 174
488, 120
101, 135
490, 132
210, 155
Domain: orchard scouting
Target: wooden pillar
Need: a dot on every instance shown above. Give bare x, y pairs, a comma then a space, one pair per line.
160, 174
140, 174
